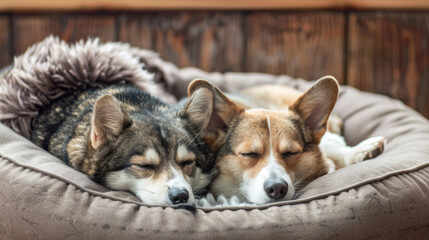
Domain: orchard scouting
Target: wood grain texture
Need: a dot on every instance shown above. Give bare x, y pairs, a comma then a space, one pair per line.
32, 29
78, 27
5, 58
206, 4
207, 40
389, 54
307, 45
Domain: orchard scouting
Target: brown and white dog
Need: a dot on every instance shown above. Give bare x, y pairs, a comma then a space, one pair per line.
271, 140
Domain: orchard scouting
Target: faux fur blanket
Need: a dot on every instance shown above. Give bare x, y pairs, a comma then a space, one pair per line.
53, 68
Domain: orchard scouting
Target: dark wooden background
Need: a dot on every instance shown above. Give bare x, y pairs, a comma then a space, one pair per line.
379, 51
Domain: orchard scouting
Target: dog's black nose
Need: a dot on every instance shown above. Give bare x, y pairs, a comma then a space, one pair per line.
178, 195
275, 188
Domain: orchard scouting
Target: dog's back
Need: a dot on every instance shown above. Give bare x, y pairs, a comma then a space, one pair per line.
56, 126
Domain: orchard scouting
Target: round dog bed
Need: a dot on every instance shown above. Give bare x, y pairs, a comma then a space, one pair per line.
387, 197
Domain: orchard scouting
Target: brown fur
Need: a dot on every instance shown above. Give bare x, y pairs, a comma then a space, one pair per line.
279, 97
241, 136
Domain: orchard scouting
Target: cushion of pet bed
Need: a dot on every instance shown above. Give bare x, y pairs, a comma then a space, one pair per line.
41, 198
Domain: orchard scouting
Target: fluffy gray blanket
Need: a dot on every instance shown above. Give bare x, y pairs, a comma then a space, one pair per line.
52, 68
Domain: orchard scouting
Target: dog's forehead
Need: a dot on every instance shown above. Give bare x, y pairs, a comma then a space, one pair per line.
259, 125
264, 119
158, 128
156, 140
263, 114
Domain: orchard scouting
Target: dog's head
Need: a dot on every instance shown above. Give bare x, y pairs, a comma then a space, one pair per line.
149, 153
263, 155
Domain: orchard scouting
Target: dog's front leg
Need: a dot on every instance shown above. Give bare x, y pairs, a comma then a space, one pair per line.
334, 147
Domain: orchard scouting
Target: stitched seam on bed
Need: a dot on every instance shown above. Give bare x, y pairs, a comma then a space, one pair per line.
70, 182
247, 208
331, 193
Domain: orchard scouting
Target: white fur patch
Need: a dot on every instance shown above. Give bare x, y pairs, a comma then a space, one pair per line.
147, 190
180, 180
253, 188
221, 201
335, 147
152, 156
183, 154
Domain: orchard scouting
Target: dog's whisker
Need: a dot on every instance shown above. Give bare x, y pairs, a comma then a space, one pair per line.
144, 190
195, 138
298, 186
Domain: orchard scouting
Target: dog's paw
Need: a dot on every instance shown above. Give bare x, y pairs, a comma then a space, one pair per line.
367, 149
378, 144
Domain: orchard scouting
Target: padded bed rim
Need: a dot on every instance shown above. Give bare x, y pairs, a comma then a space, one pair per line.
248, 208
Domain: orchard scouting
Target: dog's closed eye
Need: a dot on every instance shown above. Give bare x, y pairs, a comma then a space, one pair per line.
149, 167
289, 154
250, 154
186, 163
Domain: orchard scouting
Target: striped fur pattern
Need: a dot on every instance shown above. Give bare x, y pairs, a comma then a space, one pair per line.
128, 140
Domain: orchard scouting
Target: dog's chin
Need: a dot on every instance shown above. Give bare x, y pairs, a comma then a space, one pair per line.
264, 199
261, 198
148, 199
144, 198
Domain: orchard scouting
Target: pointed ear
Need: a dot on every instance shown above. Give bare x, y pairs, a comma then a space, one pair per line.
199, 107
108, 120
315, 105
208, 108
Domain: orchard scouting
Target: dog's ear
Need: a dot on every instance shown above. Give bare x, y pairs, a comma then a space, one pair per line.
108, 120
209, 110
315, 105
199, 106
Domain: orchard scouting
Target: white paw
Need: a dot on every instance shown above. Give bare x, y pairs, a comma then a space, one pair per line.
367, 149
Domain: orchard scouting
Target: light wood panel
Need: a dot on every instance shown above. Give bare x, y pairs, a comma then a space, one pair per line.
307, 45
389, 54
207, 4
5, 51
32, 29
207, 40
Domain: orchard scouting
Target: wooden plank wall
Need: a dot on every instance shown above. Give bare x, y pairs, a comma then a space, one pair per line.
212, 41
389, 54
5, 47
307, 45
377, 51
29, 29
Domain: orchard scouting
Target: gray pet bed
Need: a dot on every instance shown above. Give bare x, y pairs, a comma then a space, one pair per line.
388, 197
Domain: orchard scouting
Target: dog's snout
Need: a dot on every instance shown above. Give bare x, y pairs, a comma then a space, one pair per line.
275, 189
178, 195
